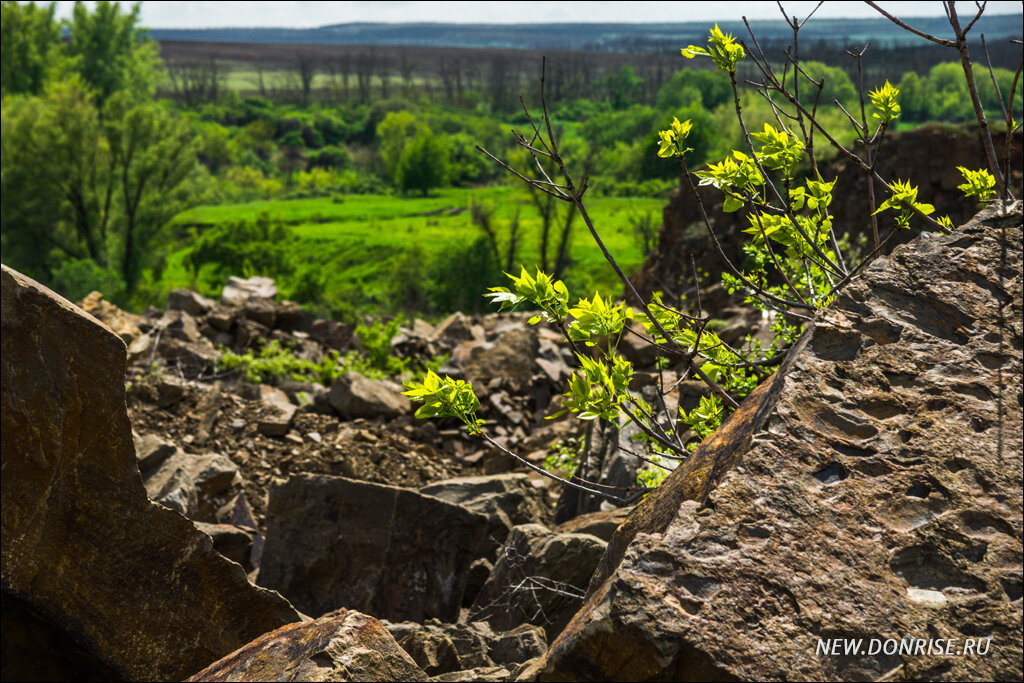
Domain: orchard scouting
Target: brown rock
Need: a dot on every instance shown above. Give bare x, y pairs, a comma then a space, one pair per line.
432, 652
880, 499
389, 551
539, 579
263, 311
125, 325
332, 334
511, 358
354, 396
81, 545
190, 302
341, 646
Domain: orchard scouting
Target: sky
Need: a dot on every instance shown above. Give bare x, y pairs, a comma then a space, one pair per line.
309, 14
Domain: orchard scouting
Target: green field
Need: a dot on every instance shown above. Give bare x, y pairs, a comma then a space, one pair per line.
357, 239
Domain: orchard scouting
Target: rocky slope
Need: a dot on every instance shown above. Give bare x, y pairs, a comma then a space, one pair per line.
870, 488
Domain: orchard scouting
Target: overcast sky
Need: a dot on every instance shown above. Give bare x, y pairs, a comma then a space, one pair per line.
303, 14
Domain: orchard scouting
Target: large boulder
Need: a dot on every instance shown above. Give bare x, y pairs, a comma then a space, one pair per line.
132, 584
880, 500
341, 646
391, 552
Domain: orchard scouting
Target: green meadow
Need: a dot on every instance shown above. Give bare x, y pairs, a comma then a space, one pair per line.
359, 241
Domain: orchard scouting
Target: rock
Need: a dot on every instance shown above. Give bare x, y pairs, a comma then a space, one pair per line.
602, 523
288, 316
481, 673
125, 325
608, 460
540, 578
331, 334
222, 318
434, 653
190, 302
189, 358
249, 334
151, 451
877, 496
171, 484
82, 546
512, 358
275, 419
354, 396
233, 542
477, 645
179, 325
238, 291
453, 329
197, 486
519, 645
385, 550
507, 499
263, 311
342, 646
36, 650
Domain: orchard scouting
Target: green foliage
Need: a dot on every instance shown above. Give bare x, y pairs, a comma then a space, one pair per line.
394, 132
564, 457
978, 184
29, 42
243, 247
722, 49
622, 86
74, 278
446, 398
111, 52
423, 165
884, 100
693, 86
541, 290
81, 182
273, 363
375, 341
904, 202
704, 419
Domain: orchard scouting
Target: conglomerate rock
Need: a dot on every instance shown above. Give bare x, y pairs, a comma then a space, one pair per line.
132, 584
881, 500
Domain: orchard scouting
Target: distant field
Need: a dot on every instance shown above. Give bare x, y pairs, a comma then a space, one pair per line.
357, 238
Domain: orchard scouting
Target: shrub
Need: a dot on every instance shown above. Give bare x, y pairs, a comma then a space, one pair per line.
795, 264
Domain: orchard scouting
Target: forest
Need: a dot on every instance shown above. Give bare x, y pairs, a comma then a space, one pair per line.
350, 173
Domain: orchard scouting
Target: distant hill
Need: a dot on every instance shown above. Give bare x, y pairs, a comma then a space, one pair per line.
640, 38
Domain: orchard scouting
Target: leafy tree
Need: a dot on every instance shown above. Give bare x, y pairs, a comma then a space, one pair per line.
423, 164
394, 132
622, 86
29, 41
693, 85
83, 182
111, 52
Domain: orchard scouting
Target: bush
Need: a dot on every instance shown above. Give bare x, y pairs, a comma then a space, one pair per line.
423, 165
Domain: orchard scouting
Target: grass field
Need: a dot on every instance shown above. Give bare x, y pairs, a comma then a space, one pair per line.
357, 239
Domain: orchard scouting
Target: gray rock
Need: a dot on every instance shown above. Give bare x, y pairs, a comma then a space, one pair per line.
151, 450
237, 291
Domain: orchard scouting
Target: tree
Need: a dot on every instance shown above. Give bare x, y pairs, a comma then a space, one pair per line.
84, 183
29, 42
394, 133
423, 165
622, 86
111, 52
